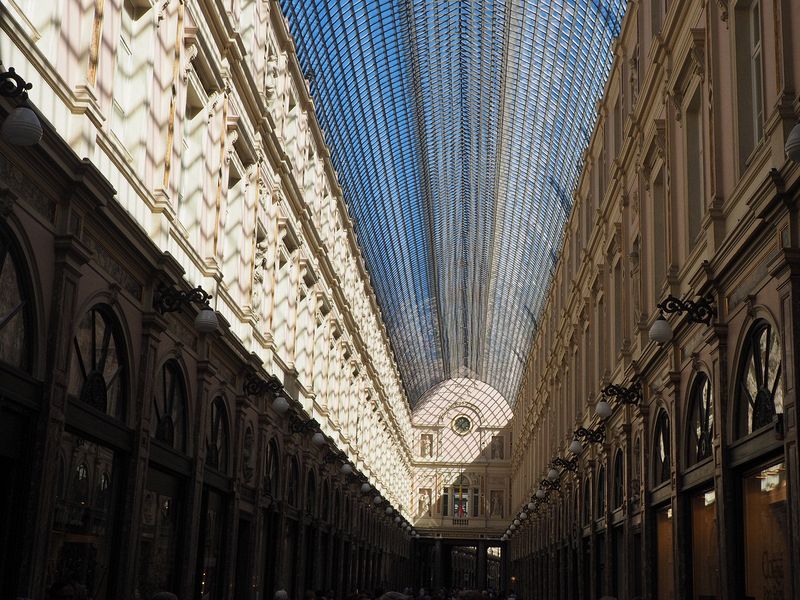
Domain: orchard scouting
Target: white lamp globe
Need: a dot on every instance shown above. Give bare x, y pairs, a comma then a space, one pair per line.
346, 469
660, 331
318, 439
280, 405
523, 515
377, 500
206, 320
389, 510
552, 474
531, 506
603, 409
575, 447
792, 146
517, 522
365, 488
540, 493
397, 519
22, 127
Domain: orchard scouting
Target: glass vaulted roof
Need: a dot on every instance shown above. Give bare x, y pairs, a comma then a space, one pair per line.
457, 128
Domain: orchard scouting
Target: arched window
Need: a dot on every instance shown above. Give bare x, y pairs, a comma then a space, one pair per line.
601, 492
248, 454
758, 390
587, 502
661, 449
272, 475
15, 309
701, 424
98, 376
292, 482
619, 480
168, 423
217, 439
337, 508
326, 505
311, 494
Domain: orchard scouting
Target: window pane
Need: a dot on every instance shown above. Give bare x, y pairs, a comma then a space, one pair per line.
705, 550
80, 547
158, 541
766, 557
664, 575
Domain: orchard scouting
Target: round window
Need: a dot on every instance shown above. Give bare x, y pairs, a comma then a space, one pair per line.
462, 425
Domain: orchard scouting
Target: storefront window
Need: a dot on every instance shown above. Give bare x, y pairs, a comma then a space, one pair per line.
760, 395
80, 547
767, 562
158, 539
210, 555
705, 547
665, 581
701, 430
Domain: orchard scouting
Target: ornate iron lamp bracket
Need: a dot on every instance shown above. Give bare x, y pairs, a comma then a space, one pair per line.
593, 436
13, 86
625, 395
299, 426
255, 386
169, 299
697, 311
568, 465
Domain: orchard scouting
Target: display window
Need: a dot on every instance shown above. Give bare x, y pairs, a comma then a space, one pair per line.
665, 560
158, 537
767, 563
211, 564
705, 546
83, 523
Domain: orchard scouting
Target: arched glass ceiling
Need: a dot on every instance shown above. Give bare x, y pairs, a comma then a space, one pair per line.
457, 127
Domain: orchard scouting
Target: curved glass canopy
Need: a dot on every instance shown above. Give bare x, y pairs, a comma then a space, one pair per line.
457, 128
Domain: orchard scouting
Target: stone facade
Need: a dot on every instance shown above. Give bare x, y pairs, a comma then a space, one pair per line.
686, 191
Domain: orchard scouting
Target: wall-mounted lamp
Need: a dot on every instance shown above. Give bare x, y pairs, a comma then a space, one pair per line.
21, 127
169, 299
346, 469
699, 311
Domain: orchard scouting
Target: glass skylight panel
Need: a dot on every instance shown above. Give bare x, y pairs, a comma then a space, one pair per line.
457, 127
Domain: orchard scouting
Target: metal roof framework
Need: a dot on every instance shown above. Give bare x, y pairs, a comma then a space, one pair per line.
457, 127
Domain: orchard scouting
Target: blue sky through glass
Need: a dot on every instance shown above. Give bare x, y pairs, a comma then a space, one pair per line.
457, 128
